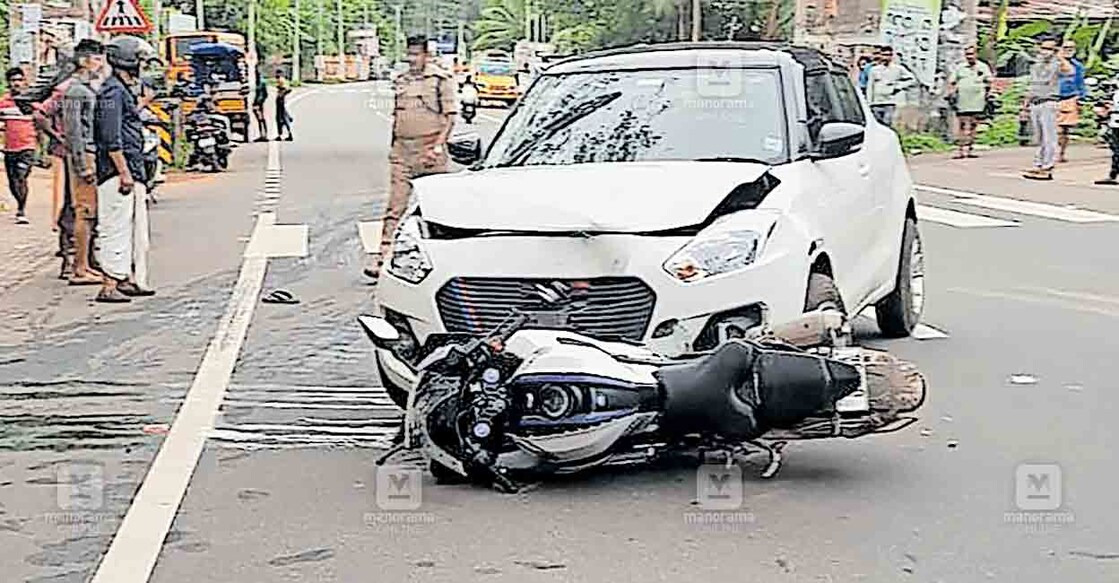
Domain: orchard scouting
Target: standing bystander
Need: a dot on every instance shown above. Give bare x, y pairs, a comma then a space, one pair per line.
1041, 100
423, 116
260, 96
122, 247
20, 141
886, 82
48, 119
968, 85
78, 108
1072, 89
283, 118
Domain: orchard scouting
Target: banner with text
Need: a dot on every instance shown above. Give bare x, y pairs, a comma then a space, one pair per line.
912, 28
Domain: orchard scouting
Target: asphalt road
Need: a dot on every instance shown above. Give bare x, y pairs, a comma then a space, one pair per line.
284, 487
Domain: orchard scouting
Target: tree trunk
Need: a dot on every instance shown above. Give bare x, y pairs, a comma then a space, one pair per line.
681, 24
697, 19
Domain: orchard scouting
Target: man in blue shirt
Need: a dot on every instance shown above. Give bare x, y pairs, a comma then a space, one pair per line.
122, 249
1072, 89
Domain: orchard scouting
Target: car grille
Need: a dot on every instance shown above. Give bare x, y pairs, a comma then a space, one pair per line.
616, 307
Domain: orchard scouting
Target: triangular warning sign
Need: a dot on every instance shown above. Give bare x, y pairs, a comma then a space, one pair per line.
120, 16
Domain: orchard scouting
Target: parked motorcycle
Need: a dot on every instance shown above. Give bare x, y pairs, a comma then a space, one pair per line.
525, 399
208, 134
153, 166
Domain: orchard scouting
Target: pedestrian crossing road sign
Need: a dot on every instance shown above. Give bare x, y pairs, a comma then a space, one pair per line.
121, 16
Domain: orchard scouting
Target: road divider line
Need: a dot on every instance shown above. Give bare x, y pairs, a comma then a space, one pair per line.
370, 233
1023, 207
277, 241
135, 548
958, 219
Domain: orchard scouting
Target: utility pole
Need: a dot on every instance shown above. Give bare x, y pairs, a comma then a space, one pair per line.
157, 9
295, 74
399, 31
200, 14
318, 28
341, 37
252, 44
697, 19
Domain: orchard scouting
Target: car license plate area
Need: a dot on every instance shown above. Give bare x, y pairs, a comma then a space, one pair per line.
551, 320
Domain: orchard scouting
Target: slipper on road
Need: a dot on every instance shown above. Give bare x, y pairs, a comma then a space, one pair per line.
280, 297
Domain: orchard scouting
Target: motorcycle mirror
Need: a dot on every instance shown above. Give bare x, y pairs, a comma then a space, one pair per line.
378, 329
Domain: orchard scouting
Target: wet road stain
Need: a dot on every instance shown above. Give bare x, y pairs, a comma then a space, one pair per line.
311, 556
70, 577
68, 415
78, 549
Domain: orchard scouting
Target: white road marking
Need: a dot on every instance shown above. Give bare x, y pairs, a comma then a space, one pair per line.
925, 332
278, 241
132, 555
958, 219
300, 405
1037, 209
370, 233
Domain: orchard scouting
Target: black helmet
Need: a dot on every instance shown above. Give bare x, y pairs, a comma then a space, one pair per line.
128, 52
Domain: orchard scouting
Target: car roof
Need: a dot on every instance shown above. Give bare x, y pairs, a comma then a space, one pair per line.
692, 54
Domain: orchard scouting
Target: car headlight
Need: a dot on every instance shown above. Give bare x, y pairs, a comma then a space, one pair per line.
408, 261
715, 254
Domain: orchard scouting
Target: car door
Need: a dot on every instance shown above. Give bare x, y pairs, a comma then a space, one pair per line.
873, 164
845, 193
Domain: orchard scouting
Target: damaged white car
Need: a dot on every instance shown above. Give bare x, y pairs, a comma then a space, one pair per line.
688, 191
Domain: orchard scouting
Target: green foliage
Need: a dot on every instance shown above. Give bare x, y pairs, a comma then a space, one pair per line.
1020, 41
1000, 132
922, 142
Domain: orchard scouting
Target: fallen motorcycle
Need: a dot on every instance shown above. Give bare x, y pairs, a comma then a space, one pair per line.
526, 399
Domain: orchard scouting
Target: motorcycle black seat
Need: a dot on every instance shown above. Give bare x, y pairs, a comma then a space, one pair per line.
705, 394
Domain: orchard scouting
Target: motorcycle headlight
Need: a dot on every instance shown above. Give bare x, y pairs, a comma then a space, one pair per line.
715, 254
408, 261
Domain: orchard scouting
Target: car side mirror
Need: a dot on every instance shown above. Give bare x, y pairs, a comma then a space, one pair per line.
465, 150
838, 138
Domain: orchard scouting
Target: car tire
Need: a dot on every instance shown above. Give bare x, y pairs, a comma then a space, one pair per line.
900, 312
397, 395
822, 294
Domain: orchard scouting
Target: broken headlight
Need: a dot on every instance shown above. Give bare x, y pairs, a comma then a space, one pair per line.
715, 254
408, 261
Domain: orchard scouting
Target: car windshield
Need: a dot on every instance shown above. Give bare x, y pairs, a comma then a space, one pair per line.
653, 115
495, 69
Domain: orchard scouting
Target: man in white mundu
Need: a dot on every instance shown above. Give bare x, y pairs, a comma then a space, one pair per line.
123, 231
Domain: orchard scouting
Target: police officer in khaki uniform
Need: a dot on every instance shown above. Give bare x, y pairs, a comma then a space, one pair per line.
423, 117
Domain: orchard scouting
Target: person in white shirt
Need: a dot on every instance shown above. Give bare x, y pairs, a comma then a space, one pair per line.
886, 84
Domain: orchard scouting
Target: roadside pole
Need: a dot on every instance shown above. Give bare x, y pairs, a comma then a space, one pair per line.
200, 14
295, 76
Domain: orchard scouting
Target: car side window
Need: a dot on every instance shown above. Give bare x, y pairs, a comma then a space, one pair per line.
821, 104
851, 108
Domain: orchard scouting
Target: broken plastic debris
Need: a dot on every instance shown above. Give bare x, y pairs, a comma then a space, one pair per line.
925, 432
1075, 387
1023, 379
952, 443
156, 429
946, 418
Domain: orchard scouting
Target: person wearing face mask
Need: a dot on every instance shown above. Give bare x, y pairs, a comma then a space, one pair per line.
79, 103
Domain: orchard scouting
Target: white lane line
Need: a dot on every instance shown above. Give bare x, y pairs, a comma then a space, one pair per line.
278, 241
958, 219
370, 233
298, 405
135, 548
1024, 207
926, 332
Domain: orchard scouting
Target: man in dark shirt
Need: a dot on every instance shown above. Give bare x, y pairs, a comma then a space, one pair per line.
260, 96
121, 198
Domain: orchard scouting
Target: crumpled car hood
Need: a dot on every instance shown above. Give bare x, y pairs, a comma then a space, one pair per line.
627, 197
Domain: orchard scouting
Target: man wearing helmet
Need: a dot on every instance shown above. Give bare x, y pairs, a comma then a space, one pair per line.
121, 200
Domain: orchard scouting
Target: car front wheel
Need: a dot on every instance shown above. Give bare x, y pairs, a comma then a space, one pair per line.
900, 312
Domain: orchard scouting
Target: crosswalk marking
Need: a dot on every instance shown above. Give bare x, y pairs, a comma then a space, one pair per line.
370, 233
958, 219
1023, 207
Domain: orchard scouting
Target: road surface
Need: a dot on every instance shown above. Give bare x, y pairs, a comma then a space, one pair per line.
267, 474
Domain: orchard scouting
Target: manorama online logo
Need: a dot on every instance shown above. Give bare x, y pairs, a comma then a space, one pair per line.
399, 496
719, 494
1039, 496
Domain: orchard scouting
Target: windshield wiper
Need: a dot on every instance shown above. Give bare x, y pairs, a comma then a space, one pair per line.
734, 159
516, 156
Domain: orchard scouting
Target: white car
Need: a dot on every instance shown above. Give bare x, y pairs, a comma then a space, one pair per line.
688, 191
